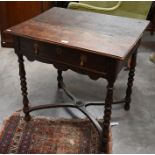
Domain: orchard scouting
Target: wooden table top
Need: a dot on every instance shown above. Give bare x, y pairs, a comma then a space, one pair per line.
92, 32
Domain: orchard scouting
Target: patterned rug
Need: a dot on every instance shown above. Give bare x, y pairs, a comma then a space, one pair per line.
43, 135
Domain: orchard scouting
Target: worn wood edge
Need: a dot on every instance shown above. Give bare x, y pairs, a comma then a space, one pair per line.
68, 46
75, 47
78, 48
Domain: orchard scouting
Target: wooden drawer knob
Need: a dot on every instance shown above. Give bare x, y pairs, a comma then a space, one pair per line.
83, 60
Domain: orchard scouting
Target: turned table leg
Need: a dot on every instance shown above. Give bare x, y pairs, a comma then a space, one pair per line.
59, 78
107, 115
23, 83
130, 81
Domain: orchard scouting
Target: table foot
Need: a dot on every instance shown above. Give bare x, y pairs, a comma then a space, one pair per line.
127, 106
27, 117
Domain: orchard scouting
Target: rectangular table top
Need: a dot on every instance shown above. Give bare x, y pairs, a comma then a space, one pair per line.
92, 32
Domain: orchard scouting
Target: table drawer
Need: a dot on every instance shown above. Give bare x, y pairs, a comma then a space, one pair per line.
63, 55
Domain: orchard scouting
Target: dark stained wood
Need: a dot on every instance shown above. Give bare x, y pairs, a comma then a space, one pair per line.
99, 33
66, 56
130, 81
107, 113
93, 44
59, 78
22, 75
23, 83
2, 12
12, 13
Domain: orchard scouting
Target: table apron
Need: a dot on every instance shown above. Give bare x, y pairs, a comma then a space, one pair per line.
63, 58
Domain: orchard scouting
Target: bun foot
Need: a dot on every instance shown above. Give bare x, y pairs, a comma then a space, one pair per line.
127, 107
27, 118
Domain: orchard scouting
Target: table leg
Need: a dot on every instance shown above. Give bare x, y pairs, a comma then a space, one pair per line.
59, 78
23, 83
130, 81
107, 115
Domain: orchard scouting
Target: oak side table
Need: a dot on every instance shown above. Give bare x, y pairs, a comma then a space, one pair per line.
93, 44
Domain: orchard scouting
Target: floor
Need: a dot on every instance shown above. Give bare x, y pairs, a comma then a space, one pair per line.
136, 130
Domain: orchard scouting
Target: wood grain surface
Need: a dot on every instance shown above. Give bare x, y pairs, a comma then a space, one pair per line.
92, 32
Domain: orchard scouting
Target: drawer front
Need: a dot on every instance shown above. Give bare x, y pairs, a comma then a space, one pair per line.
67, 56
